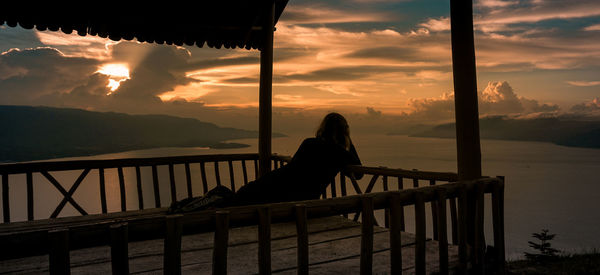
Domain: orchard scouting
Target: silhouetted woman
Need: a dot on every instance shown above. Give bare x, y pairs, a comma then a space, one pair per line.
311, 170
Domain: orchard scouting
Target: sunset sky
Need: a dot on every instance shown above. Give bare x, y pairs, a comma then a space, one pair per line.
372, 60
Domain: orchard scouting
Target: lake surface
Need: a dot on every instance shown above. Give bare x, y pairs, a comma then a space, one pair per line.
547, 186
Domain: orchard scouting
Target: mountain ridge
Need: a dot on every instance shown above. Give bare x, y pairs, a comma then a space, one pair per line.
36, 132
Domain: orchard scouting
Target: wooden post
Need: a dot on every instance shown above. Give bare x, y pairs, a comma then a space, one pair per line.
264, 240
462, 229
479, 247
217, 174
138, 179
366, 239
465, 102
172, 245
119, 248
420, 238
498, 222
60, 262
29, 196
102, 191
401, 187
188, 179
465, 90
172, 182
442, 232
204, 180
221, 242
265, 91
302, 231
245, 172
122, 189
5, 198
396, 227
231, 175
156, 188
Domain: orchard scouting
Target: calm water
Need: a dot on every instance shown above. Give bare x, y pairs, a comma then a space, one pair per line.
547, 186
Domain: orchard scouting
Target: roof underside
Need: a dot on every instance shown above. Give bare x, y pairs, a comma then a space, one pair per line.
216, 23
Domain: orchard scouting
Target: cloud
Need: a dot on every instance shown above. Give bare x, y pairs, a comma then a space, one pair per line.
584, 83
497, 98
592, 28
437, 24
160, 70
322, 14
371, 112
30, 74
540, 11
496, 3
591, 107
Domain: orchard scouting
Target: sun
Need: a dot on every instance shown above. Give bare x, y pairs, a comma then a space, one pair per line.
117, 72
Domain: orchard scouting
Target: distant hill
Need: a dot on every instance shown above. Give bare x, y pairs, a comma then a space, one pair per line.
556, 130
33, 133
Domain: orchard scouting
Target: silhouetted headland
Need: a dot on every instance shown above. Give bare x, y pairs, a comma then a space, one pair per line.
574, 133
34, 133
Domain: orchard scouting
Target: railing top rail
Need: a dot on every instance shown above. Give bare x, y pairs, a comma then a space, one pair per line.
397, 172
28, 241
17, 168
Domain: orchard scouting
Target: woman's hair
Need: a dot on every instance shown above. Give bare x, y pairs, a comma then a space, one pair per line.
334, 128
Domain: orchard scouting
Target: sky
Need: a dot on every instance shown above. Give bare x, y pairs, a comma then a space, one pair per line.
381, 63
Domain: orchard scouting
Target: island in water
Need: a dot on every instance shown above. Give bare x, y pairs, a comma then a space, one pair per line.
36, 133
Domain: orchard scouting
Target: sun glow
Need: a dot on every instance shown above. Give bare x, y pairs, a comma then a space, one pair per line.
117, 73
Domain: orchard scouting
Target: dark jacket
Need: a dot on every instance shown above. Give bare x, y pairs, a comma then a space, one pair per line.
311, 170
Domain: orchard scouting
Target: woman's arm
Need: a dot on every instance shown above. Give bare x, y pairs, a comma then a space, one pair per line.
355, 160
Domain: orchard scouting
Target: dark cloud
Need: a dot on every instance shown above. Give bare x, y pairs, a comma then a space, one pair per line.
160, 70
17, 38
30, 74
373, 113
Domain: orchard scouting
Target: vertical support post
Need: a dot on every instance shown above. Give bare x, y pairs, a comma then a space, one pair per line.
119, 252
366, 239
264, 240
465, 90
465, 102
102, 191
498, 222
156, 187
60, 262
138, 179
479, 237
122, 189
462, 229
442, 231
172, 182
5, 198
188, 179
221, 242
396, 227
172, 245
302, 231
29, 196
420, 238
265, 91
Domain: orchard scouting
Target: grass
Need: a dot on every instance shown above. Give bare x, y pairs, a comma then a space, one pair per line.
588, 263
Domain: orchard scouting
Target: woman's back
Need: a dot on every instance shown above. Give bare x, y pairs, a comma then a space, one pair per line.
312, 168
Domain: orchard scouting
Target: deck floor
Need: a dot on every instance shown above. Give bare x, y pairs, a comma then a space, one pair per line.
334, 248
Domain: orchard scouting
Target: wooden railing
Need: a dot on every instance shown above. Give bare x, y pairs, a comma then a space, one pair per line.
205, 178
246, 161
57, 241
